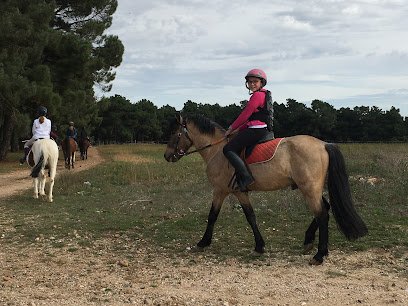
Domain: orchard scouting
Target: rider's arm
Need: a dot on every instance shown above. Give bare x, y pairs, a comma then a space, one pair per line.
257, 99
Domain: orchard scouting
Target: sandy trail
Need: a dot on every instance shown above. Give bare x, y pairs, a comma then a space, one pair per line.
16, 181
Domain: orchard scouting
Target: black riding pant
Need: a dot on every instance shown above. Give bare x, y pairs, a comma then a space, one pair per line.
245, 138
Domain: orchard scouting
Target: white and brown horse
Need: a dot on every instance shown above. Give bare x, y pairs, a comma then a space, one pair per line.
301, 161
45, 155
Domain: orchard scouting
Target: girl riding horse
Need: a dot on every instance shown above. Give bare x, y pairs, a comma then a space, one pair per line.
300, 161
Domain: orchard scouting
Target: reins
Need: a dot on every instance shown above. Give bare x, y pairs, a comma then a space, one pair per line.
197, 149
205, 147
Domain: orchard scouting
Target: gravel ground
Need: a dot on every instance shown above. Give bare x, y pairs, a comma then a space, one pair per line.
40, 274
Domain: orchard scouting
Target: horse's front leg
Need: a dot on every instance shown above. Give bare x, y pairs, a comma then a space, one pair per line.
218, 199
243, 199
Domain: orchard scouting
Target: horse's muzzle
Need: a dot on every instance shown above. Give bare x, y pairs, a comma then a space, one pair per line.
171, 157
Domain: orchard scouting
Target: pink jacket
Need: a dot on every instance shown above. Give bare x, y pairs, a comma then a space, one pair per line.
257, 100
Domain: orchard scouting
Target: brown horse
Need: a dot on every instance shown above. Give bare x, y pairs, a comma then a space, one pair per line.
69, 147
84, 144
300, 161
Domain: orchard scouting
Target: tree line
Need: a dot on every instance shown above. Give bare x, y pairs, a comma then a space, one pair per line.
124, 121
55, 52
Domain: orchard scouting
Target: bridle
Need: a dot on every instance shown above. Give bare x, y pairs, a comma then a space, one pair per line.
178, 153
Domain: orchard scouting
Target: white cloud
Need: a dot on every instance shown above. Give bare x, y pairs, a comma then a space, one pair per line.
201, 50
292, 23
353, 9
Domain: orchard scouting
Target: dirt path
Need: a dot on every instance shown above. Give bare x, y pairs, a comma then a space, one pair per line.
41, 274
16, 181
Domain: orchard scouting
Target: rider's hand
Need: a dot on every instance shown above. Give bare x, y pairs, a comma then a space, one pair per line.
228, 132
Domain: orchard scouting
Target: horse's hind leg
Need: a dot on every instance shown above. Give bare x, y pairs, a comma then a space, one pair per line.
42, 178
322, 220
36, 187
52, 181
53, 170
320, 207
218, 199
250, 216
310, 233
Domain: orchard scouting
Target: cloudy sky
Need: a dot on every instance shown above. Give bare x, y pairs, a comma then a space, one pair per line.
347, 53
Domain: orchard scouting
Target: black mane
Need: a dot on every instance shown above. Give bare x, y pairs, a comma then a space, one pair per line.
204, 124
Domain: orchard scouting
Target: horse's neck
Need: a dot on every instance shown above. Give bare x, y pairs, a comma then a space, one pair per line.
203, 140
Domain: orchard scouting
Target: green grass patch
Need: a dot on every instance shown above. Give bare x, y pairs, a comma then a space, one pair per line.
138, 194
11, 162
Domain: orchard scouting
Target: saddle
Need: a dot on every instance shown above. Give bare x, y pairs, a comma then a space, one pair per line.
263, 151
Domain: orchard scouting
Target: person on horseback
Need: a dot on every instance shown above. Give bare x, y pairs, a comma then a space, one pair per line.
72, 132
253, 124
41, 129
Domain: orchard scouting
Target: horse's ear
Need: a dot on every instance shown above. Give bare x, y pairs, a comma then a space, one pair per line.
179, 118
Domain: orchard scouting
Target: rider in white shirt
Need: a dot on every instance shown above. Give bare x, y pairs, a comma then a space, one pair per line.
41, 130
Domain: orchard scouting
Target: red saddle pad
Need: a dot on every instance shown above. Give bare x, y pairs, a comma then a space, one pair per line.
263, 151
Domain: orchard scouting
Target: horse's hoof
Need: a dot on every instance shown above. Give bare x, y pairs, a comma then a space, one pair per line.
314, 262
203, 243
197, 249
307, 248
318, 258
259, 250
255, 253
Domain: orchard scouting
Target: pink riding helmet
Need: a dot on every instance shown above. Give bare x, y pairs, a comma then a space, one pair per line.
257, 73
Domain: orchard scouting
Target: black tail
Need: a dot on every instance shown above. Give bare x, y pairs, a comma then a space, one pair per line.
348, 221
37, 168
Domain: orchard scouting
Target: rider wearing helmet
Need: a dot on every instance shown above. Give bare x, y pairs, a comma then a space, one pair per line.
72, 131
251, 126
41, 130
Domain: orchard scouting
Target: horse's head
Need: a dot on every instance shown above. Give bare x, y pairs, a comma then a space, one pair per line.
179, 142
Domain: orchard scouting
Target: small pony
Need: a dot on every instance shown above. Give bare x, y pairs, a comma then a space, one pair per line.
45, 154
301, 162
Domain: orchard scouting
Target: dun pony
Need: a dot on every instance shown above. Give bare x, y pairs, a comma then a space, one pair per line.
301, 161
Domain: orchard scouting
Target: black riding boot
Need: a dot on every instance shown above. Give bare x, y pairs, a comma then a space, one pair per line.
24, 158
243, 177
